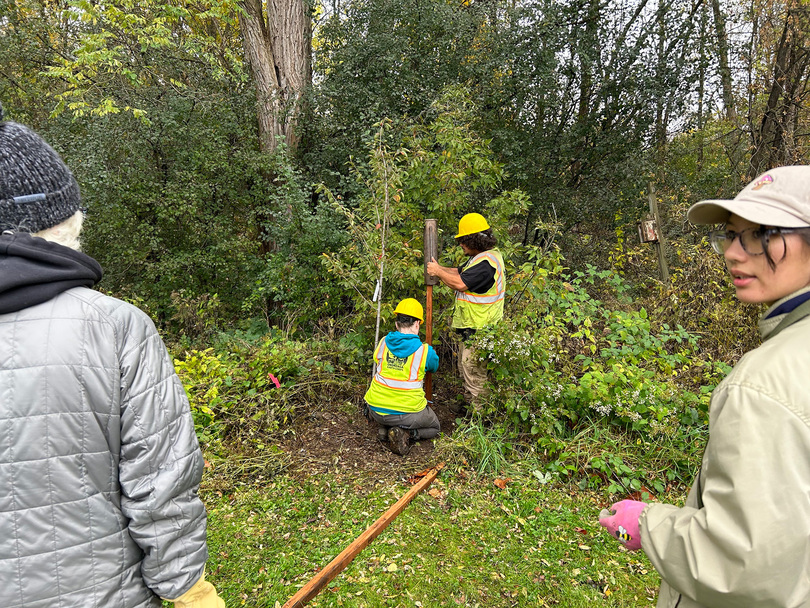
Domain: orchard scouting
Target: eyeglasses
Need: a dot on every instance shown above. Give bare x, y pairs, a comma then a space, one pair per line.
754, 241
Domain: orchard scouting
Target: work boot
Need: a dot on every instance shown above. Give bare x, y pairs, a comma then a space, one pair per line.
399, 441
458, 408
382, 433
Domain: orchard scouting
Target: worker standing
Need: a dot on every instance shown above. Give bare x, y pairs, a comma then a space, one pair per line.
396, 397
480, 285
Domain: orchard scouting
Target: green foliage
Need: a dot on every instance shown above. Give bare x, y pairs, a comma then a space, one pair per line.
570, 103
128, 44
183, 205
565, 361
290, 288
380, 59
382, 234
449, 166
440, 170
488, 449
232, 393
229, 389
196, 316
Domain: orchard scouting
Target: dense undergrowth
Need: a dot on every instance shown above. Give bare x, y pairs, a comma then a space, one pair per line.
587, 376
601, 373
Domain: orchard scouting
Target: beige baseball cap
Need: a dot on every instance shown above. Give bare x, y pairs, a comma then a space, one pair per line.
780, 197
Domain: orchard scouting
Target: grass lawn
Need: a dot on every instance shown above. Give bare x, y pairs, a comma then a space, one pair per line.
465, 541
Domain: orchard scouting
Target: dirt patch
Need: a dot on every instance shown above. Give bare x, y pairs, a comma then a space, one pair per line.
342, 438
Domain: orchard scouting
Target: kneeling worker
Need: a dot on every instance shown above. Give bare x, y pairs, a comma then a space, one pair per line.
396, 397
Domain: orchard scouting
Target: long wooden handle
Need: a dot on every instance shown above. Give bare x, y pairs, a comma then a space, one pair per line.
337, 565
431, 248
431, 252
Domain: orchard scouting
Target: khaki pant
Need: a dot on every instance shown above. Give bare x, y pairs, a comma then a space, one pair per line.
473, 371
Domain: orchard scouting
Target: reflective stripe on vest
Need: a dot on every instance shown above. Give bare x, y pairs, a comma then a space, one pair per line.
487, 298
416, 363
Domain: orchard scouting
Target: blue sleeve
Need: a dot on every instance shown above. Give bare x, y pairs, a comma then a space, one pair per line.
432, 363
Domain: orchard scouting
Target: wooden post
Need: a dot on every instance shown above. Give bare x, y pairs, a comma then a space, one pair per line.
660, 245
431, 252
337, 565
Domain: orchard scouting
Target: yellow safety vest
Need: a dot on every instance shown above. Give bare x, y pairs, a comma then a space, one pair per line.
477, 310
397, 386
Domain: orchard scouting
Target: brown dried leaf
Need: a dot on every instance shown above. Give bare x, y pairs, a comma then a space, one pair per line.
501, 483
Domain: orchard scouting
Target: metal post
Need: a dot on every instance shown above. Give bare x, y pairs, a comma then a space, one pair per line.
431, 252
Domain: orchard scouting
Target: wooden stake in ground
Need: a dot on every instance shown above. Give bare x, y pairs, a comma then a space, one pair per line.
431, 252
337, 565
661, 244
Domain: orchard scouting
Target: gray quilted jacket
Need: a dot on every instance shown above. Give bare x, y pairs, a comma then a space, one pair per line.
99, 463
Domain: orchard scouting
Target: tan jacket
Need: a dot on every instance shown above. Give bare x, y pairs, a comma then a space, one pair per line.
743, 537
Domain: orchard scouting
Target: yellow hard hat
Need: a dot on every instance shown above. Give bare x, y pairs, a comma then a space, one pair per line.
410, 307
470, 224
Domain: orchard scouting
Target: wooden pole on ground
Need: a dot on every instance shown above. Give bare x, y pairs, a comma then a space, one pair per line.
431, 252
337, 565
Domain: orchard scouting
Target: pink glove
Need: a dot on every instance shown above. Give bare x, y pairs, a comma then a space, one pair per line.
622, 522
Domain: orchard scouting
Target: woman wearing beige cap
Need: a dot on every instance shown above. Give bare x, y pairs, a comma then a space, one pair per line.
743, 537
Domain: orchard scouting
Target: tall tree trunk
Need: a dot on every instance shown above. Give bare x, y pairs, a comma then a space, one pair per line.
701, 86
722, 57
588, 54
774, 143
661, 121
278, 45
750, 68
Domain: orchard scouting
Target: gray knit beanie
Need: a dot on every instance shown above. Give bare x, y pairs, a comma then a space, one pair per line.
37, 190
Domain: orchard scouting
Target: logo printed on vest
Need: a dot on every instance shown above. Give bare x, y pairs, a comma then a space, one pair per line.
394, 363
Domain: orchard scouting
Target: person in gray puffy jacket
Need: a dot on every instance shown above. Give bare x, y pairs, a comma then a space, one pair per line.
743, 536
99, 463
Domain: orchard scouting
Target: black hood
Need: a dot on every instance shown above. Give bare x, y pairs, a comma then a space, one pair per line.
33, 270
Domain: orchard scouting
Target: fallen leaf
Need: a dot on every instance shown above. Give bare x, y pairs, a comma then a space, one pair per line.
501, 483
581, 530
417, 476
644, 495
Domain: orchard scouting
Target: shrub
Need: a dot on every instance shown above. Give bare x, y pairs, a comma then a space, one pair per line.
233, 393
564, 362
